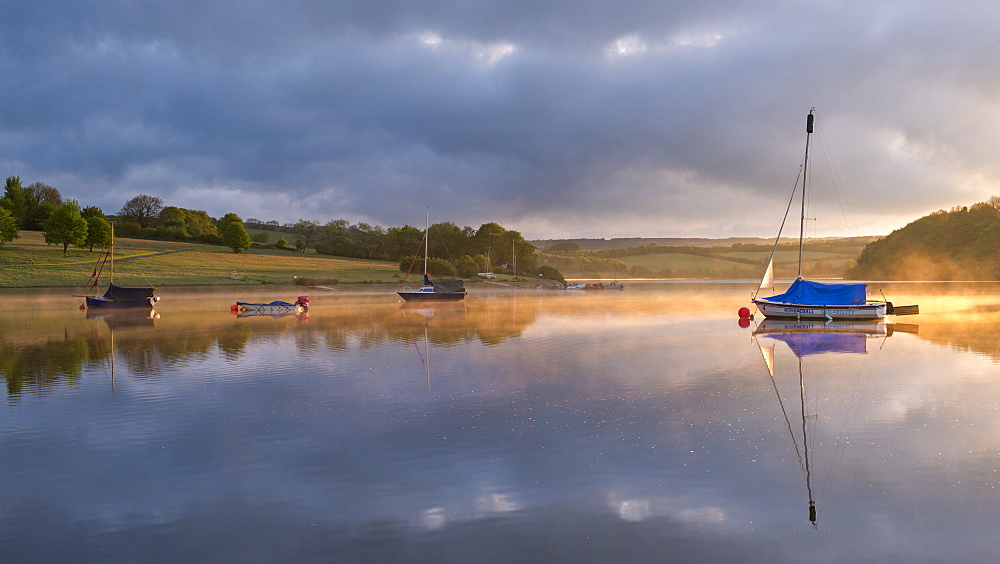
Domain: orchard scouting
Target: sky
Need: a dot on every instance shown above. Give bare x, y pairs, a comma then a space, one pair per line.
558, 119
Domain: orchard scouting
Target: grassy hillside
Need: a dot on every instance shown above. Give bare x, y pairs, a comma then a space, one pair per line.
824, 258
29, 262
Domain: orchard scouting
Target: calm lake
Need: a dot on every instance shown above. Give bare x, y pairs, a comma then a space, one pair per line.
516, 426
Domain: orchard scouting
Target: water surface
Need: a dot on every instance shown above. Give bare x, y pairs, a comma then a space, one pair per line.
523, 426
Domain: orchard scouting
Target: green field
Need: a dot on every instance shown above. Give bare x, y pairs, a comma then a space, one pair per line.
29, 262
829, 259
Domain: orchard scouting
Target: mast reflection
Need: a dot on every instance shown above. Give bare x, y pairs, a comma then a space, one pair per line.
806, 339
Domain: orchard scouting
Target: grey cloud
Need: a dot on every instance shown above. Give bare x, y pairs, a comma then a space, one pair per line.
371, 110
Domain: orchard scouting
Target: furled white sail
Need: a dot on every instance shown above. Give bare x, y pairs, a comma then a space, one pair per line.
768, 280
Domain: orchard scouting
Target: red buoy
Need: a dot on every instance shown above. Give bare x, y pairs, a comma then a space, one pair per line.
744, 312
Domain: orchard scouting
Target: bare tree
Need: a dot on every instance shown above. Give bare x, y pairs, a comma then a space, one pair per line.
142, 209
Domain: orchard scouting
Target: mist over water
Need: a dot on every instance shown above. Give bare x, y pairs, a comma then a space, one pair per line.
517, 425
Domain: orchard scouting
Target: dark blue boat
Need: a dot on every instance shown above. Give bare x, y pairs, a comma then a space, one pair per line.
118, 297
124, 297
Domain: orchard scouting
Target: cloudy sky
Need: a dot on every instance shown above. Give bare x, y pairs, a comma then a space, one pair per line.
582, 118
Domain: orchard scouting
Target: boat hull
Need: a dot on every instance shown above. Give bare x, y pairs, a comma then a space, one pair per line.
786, 310
268, 309
105, 303
432, 296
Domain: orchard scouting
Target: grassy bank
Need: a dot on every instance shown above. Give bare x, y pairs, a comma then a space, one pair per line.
29, 262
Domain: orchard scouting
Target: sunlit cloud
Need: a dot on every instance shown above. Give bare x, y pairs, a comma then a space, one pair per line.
489, 53
634, 44
697, 39
624, 46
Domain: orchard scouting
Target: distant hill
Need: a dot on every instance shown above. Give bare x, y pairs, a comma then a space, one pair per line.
961, 244
732, 258
629, 242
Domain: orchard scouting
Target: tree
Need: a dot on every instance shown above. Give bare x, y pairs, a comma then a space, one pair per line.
225, 220
235, 236
466, 266
306, 229
8, 227
40, 201
447, 241
92, 211
551, 273
42, 193
367, 238
14, 199
171, 216
401, 241
98, 232
199, 224
66, 226
488, 240
142, 209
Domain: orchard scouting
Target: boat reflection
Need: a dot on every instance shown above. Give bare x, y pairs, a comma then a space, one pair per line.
423, 314
807, 339
125, 317
301, 317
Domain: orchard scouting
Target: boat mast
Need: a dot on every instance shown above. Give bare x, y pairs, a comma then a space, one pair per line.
805, 179
427, 242
111, 276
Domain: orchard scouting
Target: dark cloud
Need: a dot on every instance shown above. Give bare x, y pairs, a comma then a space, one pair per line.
556, 119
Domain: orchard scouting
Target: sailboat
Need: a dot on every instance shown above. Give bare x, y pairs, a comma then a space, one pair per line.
116, 296
806, 299
432, 291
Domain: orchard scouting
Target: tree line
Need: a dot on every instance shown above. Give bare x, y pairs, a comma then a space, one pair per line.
960, 244
452, 250
39, 207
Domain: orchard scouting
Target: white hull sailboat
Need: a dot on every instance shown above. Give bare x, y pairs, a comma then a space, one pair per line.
806, 299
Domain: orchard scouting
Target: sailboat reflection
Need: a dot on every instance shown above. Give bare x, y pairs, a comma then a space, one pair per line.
807, 339
424, 313
122, 319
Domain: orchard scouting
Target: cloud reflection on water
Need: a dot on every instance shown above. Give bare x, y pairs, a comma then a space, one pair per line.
537, 426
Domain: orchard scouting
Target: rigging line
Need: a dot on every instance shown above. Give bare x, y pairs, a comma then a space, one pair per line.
838, 184
855, 407
414, 261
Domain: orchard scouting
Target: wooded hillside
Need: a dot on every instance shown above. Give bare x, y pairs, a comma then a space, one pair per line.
961, 244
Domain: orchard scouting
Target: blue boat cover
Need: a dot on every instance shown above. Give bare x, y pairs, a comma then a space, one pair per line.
820, 294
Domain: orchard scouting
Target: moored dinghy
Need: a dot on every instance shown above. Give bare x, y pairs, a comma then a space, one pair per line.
276, 307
